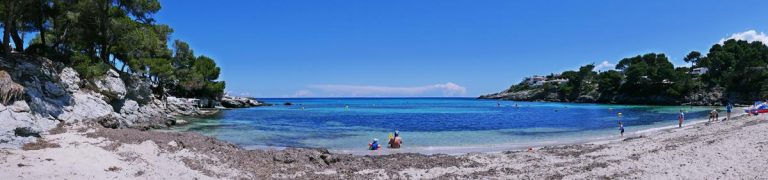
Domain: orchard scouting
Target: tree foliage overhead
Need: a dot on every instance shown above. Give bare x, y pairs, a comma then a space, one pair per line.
97, 35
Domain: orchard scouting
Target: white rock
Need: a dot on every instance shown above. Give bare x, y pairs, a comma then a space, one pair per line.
129, 107
181, 122
70, 79
20, 106
86, 106
181, 106
5, 118
112, 84
173, 143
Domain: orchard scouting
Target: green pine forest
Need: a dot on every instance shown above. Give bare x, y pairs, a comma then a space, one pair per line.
94, 36
737, 69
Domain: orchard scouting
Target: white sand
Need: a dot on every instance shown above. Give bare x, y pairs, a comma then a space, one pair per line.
80, 157
735, 149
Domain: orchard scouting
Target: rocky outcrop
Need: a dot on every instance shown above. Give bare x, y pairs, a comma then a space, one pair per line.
525, 95
706, 97
239, 102
85, 105
111, 86
9, 90
54, 93
138, 89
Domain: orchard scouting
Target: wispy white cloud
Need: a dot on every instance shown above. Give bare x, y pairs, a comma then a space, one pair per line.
605, 65
303, 93
749, 35
324, 90
241, 94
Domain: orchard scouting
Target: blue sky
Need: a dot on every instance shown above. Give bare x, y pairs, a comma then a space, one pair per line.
292, 48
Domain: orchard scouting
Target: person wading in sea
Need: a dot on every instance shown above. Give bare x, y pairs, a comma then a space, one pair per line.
396, 141
728, 109
680, 119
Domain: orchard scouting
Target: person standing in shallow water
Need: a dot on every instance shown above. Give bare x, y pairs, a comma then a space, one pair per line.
728, 109
680, 119
621, 128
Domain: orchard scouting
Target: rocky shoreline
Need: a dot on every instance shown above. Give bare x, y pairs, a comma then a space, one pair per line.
53, 93
706, 97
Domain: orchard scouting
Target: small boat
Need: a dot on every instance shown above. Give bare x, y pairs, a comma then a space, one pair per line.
758, 108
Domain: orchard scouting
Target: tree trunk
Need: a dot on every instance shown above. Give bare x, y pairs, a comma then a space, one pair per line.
41, 25
17, 40
6, 31
6, 41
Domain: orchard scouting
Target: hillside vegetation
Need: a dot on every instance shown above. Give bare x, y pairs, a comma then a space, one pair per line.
95, 36
735, 71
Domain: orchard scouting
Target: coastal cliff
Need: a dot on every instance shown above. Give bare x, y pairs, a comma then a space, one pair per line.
41, 93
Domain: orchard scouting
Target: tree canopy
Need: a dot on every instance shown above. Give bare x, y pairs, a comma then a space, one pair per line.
739, 67
97, 35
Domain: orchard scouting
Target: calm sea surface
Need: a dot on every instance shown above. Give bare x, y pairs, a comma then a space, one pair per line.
429, 125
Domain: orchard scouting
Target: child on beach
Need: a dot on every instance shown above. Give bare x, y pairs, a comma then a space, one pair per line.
717, 114
621, 128
374, 145
713, 115
680, 119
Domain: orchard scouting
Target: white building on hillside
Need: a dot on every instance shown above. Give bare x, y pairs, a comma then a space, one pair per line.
535, 80
699, 71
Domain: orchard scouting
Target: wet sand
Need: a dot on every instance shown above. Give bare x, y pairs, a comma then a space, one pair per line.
735, 149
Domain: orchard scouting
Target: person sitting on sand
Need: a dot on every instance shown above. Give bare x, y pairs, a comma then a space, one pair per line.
396, 141
374, 145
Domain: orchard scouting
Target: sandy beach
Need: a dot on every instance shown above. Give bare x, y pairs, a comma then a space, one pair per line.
734, 149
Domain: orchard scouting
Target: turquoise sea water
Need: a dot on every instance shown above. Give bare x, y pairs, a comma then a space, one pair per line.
428, 125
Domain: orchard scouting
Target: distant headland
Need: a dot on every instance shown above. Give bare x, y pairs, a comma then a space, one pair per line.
734, 72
